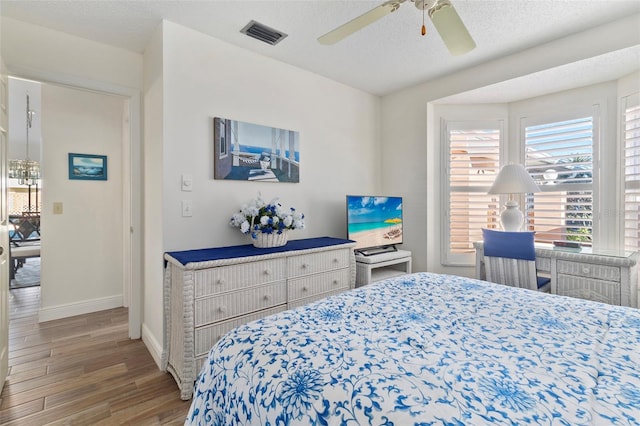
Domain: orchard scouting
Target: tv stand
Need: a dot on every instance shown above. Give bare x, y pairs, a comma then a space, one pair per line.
375, 267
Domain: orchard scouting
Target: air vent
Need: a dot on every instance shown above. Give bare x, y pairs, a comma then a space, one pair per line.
263, 33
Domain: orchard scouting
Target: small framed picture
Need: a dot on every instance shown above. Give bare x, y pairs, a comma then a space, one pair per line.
87, 167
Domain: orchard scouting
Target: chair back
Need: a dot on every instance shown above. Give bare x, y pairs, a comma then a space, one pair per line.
510, 258
24, 228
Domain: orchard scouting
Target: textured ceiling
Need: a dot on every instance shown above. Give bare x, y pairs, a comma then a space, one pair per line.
384, 57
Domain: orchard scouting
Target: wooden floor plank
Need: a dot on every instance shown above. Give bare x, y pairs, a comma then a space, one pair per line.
82, 370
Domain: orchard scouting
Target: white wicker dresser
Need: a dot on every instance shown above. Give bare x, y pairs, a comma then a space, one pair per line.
208, 292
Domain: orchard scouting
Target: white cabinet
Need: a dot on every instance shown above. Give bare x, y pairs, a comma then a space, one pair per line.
208, 292
380, 266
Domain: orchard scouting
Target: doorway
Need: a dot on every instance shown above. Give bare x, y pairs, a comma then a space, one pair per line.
24, 184
85, 248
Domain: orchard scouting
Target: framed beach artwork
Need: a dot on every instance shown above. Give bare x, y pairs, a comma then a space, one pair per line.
255, 153
87, 167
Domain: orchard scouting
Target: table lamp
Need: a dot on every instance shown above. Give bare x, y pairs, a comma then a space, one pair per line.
513, 179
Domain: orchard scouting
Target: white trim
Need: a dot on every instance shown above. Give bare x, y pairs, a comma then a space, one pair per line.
79, 308
154, 348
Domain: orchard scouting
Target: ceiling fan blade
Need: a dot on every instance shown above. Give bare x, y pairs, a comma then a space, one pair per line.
451, 28
360, 22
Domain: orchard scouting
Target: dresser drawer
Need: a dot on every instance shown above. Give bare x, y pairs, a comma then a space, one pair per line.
301, 302
318, 262
206, 336
229, 305
239, 276
543, 264
590, 289
303, 287
602, 272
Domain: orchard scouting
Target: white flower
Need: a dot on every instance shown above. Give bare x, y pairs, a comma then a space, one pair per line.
258, 216
237, 219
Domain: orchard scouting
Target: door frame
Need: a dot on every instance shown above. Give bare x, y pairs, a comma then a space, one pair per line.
132, 174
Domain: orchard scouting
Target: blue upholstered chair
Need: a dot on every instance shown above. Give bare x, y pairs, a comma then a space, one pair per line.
510, 259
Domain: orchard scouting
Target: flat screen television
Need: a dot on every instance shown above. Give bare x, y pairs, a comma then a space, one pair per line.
374, 222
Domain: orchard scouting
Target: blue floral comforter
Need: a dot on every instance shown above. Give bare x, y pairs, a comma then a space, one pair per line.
428, 349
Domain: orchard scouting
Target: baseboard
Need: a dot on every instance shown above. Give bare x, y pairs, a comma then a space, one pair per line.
79, 308
154, 348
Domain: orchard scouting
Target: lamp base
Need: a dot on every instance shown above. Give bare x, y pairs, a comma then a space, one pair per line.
511, 217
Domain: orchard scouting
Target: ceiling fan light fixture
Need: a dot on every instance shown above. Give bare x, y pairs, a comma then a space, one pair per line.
451, 28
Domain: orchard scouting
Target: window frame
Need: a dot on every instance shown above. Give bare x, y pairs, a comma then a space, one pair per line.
630, 101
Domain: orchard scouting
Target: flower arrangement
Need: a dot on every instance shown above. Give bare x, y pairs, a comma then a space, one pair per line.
266, 218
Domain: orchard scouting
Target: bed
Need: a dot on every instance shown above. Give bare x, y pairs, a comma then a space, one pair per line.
427, 349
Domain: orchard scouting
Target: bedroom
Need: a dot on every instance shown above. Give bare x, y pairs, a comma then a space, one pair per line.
345, 144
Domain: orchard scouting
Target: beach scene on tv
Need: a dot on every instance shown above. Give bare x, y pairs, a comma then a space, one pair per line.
374, 221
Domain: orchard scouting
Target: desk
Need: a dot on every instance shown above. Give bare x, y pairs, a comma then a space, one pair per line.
604, 276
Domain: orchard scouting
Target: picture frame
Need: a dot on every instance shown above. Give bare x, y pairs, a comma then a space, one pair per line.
87, 167
255, 153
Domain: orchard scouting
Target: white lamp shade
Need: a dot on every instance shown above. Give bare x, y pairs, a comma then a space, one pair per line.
513, 179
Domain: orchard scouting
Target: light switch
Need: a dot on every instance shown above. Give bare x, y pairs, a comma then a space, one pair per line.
187, 183
187, 207
57, 207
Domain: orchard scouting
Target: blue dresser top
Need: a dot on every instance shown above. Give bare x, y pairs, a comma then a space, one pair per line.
218, 253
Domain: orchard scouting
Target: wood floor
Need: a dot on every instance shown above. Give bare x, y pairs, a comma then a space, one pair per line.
82, 370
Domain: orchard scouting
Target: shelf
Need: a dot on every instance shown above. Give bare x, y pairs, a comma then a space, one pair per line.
382, 266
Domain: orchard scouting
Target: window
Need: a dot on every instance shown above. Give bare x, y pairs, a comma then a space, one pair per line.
472, 163
559, 157
631, 139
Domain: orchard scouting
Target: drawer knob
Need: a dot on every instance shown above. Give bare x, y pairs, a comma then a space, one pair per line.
335, 260
304, 288
267, 272
335, 282
586, 270
305, 266
220, 281
266, 297
220, 308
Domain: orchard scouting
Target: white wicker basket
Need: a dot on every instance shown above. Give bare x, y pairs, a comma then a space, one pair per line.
270, 240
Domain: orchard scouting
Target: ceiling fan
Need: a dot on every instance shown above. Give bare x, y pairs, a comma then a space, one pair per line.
441, 12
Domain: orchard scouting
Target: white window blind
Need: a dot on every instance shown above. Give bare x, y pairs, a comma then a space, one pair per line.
559, 157
632, 173
472, 165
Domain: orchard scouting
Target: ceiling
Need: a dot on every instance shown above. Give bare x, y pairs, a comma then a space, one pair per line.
384, 57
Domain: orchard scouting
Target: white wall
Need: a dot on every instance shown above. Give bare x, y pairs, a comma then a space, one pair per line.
32, 51
202, 78
409, 160
152, 327
81, 248
206, 78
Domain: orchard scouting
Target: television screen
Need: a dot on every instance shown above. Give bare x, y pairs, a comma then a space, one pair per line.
374, 221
